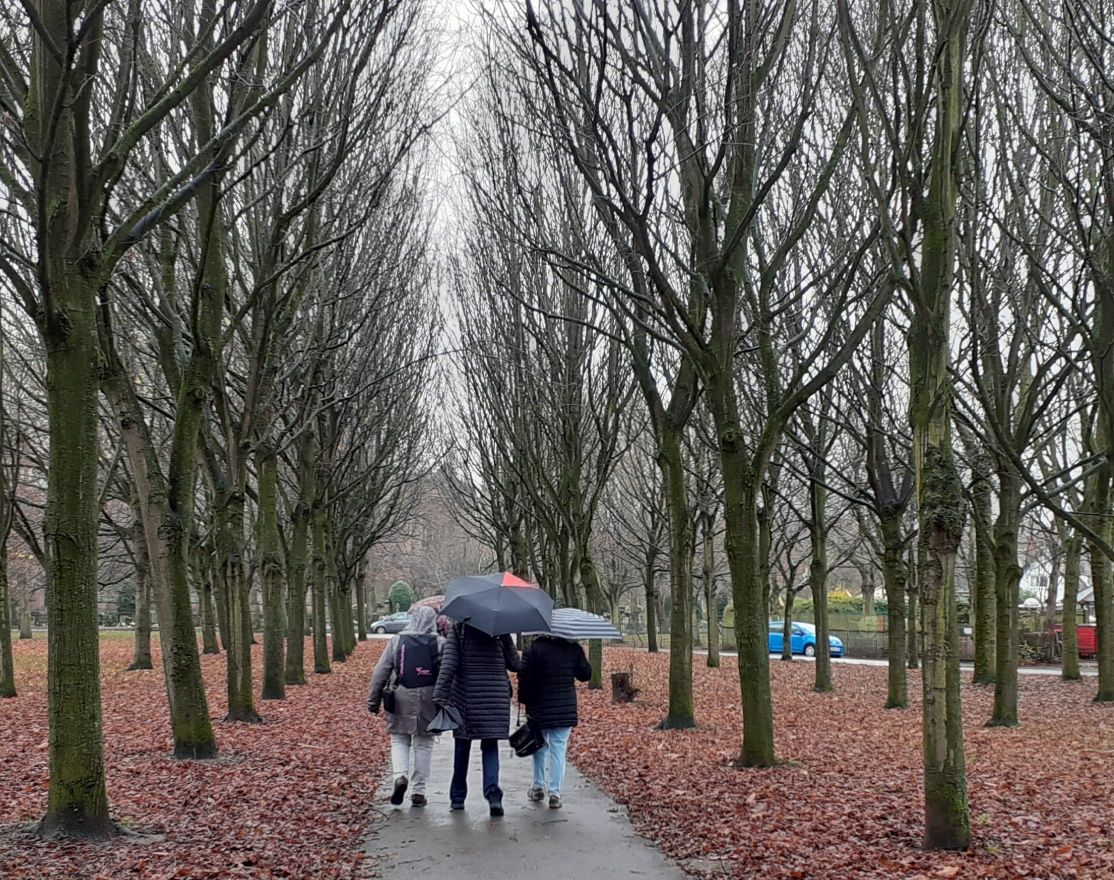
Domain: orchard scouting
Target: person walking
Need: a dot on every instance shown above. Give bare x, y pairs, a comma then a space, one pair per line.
413, 657
547, 686
474, 680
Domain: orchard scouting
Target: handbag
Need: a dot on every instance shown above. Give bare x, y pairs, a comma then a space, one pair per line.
389, 701
527, 739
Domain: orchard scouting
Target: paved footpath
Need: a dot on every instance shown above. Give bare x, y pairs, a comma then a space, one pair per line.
589, 837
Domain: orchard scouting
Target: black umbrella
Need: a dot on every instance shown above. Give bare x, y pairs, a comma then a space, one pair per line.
498, 603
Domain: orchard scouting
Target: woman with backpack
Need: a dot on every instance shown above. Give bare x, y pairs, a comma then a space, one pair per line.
474, 680
403, 683
551, 666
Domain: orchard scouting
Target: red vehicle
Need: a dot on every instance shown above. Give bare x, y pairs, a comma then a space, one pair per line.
1086, 636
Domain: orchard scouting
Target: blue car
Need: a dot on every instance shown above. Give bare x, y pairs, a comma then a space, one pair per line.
802, 641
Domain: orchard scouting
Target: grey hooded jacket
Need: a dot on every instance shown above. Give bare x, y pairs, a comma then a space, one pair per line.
414, 707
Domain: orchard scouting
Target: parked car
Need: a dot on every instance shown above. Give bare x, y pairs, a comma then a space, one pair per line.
392, 623
802, 640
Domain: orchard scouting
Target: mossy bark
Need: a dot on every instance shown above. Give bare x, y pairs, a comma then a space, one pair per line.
941, 503
77, 802
167, 553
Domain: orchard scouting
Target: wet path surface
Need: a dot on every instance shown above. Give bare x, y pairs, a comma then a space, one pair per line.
589, 837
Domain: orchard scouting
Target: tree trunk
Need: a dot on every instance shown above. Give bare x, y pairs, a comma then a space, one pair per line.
320, 588
941, 504
818, 577
25, 632
1069, 661
361, 601
680, 560
141, 655
204, 574
299, 558
167, 519
7, 661
651, 603
237, 592
335, 600
270, 563
1099, 491
983, 606
708, 540
1007, 584
589, 578
894, 577
77, 803
912, 636
787, 625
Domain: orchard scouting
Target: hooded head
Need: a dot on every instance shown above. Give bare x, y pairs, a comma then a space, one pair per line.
423, 621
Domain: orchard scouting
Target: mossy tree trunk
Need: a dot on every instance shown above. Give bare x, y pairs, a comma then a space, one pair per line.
77, 803
167, 550
941, 503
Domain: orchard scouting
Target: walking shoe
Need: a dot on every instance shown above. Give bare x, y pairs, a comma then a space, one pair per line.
400, 790
555, 802
456, 806
537, 793
418, 800
496, 809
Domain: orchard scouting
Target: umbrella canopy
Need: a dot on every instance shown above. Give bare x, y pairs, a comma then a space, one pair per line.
574, 625
498, 604
434, 602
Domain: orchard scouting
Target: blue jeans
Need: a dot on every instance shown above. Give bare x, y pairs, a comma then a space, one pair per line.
553, 754
489, 750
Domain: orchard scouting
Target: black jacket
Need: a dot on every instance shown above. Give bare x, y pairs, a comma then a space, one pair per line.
473, 678
546, 684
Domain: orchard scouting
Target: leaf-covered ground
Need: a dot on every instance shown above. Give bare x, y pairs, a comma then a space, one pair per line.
847, 801
289, 798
